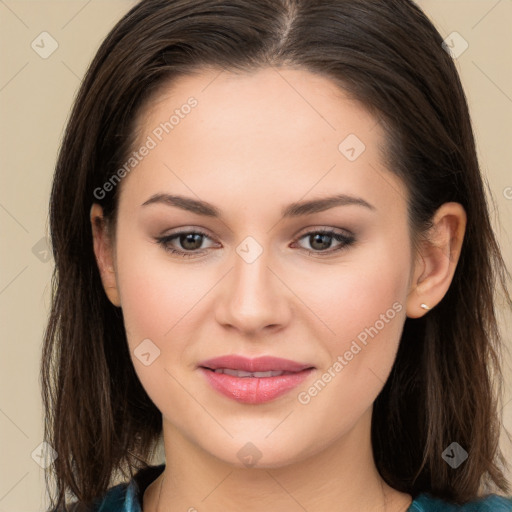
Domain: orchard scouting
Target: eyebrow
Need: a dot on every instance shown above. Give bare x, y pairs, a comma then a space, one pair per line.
292, 210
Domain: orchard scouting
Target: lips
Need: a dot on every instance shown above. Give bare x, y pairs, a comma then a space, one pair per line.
243, 374
259, 364
254, 381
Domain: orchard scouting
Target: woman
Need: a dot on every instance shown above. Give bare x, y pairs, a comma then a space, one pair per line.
273, 252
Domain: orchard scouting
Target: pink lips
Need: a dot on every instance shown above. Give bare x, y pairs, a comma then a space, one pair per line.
254, 389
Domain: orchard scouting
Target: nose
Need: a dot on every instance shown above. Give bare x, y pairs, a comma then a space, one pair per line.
253, 298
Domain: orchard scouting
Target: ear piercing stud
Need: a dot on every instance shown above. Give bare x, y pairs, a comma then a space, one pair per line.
424, 306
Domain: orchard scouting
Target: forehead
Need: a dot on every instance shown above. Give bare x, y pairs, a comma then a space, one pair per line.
258, 104
264, 133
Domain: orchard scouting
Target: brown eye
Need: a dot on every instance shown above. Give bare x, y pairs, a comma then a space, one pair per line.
185, 243
191, 241
321, 241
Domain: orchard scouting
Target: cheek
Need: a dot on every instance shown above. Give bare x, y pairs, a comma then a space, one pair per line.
365, 307
353, 294
157, 301
155, 290
363, 304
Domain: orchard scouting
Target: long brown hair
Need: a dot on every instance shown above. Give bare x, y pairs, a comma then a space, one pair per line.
446, 383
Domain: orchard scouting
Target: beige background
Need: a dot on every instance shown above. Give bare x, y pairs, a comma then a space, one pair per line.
35, 98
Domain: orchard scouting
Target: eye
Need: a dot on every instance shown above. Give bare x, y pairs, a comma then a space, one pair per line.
322, 239
188, 240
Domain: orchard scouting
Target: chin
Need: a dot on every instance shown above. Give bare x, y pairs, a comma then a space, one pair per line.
260, 453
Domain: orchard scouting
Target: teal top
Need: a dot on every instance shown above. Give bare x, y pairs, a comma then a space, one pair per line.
127, 497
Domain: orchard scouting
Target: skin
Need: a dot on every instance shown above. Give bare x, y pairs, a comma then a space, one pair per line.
254, 144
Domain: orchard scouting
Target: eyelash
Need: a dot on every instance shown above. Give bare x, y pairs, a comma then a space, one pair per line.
347, 240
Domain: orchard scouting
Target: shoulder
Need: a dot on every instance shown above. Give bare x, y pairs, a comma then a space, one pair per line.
114, 500
490, 503
117, 499
123, 497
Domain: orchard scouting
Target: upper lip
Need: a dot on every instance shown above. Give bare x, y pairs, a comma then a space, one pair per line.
258, 364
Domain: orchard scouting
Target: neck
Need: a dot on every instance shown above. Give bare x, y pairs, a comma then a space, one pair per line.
342, 476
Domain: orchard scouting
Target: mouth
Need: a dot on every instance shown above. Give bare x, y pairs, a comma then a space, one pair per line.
254, 381
255, 365
243, 374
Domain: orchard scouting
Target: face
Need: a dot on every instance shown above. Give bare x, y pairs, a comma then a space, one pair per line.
253, 273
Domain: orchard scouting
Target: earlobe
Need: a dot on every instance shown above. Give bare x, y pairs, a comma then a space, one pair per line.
103, 251
436, 263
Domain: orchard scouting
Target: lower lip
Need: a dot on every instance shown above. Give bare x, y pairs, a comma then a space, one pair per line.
254, 390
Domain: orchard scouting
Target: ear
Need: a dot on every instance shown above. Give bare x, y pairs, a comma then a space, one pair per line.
437, 259
103, 249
